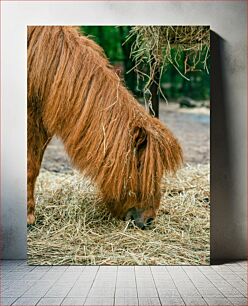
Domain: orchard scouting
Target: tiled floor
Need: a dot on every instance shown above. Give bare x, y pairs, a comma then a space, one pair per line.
167, 285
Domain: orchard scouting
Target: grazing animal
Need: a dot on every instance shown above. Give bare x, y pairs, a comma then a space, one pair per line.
74, 93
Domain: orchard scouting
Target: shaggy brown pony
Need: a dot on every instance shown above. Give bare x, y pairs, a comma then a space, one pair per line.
74, 93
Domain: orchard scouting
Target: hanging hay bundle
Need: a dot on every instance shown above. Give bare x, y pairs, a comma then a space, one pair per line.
156, 47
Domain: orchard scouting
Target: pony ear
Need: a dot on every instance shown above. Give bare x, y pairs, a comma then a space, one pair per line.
139, 138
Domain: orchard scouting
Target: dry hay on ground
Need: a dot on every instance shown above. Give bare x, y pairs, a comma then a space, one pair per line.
74, 228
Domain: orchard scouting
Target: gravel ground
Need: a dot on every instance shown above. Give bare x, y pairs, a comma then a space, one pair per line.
191, 127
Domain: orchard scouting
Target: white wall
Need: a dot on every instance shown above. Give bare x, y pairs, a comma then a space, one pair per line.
229, 96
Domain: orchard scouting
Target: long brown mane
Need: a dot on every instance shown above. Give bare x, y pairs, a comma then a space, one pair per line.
107, 134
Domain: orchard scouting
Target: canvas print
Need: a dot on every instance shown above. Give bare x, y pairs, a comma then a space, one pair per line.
118, 145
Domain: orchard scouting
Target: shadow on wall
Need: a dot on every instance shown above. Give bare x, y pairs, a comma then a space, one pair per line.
224, 225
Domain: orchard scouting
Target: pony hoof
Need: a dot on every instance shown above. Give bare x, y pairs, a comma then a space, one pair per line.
30, 219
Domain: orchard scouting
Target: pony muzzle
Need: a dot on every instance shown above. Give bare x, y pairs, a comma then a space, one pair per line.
141, 218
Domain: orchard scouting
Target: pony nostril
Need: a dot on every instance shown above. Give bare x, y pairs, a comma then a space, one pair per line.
149, 221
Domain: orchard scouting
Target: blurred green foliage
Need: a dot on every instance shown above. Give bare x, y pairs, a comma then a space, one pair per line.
174, 86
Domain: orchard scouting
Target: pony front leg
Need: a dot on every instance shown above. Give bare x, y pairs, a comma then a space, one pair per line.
32, 174
37, 143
